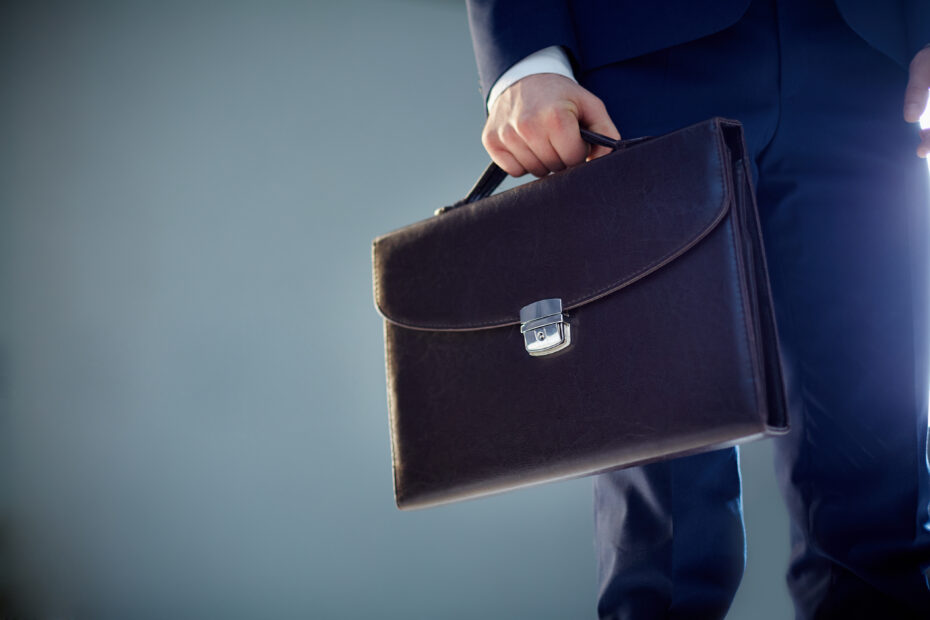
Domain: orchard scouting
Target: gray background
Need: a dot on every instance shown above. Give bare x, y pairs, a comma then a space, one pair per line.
193, 418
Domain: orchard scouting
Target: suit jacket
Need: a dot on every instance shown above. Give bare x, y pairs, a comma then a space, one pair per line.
598, 32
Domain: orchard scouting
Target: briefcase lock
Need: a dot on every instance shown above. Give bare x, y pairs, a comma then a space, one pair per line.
545, 329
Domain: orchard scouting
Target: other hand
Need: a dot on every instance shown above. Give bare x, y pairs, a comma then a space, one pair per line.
915, 96
534, 124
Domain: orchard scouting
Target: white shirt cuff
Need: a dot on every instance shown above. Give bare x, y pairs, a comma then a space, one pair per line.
552, 59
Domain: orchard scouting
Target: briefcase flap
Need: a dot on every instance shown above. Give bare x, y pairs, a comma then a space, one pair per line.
476, 266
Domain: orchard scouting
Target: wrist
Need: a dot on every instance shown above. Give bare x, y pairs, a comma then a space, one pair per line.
551, 59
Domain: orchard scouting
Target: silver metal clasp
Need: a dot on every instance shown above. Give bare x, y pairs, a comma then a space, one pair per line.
545, 329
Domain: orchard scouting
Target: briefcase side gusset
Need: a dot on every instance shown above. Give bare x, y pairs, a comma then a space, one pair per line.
758, 283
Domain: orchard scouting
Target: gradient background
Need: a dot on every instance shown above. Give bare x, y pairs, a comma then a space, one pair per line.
193, 418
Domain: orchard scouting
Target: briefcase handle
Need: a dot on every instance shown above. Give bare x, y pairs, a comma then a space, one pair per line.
493, 175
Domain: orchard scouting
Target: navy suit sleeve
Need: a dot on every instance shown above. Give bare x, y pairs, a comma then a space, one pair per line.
504, 32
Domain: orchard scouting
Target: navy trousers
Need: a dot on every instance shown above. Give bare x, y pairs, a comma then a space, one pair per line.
843, 202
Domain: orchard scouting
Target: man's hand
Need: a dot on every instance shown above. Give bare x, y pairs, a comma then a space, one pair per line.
534, 125
915, 97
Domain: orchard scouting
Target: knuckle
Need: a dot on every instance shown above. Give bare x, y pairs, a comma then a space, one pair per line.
508, 134
489, 139
557, 118
527, 126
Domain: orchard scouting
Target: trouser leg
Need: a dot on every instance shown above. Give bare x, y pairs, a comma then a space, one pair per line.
843, 203
670, 538
844, 206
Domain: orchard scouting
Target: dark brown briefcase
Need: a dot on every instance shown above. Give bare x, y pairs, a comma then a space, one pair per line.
608, 315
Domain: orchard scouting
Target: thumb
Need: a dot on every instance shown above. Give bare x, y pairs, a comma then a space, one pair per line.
592, 115
915, 96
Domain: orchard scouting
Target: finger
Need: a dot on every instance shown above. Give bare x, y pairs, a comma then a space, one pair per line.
522, 153
565, 138
535, 136
923, 149
593, 115
550, 156
918, 83
507, 163
499, 152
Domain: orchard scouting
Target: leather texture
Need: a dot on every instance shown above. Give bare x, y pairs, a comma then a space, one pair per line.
656, 252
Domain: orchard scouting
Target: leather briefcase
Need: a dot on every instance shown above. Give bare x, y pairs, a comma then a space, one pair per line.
609, 315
